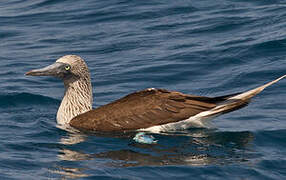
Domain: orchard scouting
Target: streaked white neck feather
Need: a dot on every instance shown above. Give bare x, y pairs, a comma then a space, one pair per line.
77, 99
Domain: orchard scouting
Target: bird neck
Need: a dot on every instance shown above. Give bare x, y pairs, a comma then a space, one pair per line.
77, 99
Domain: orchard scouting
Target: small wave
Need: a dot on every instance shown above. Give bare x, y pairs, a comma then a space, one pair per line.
273, 45
14, 99
271, 138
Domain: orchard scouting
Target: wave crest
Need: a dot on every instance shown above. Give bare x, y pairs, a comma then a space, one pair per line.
15, 99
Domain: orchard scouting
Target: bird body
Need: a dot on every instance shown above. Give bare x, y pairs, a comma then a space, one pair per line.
150, 109
144, 109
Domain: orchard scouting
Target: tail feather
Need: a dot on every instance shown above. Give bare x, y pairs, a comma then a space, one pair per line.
239, 100
249, 94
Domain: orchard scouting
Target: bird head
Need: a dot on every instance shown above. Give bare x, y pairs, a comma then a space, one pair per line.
65, 68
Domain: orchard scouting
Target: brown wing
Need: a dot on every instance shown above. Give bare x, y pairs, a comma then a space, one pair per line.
144, 109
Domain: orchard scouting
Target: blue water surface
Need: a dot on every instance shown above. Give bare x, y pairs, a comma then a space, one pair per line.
204, 47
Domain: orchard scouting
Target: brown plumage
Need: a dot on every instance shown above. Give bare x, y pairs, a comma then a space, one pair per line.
158, 108
144, 109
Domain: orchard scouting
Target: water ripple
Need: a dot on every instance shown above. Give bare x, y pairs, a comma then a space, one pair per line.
199, 47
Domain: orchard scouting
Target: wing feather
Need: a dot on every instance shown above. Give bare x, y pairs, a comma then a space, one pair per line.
143, 109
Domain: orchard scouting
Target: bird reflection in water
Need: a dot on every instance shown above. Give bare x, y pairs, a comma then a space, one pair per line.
197, 147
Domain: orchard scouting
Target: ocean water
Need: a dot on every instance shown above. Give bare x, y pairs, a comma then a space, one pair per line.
205, 47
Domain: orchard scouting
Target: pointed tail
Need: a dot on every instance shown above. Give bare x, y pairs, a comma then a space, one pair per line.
249, 94
240, 100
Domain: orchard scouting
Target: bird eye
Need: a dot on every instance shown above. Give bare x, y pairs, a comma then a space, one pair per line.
67, 68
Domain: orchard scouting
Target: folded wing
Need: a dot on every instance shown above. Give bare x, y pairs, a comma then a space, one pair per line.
144, 109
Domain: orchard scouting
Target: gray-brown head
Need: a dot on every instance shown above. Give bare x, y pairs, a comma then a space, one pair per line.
65, 68
76, 77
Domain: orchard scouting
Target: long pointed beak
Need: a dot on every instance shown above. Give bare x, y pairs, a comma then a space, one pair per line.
52, 70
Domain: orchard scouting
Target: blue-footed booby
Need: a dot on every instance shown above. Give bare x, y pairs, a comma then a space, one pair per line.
151, 109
